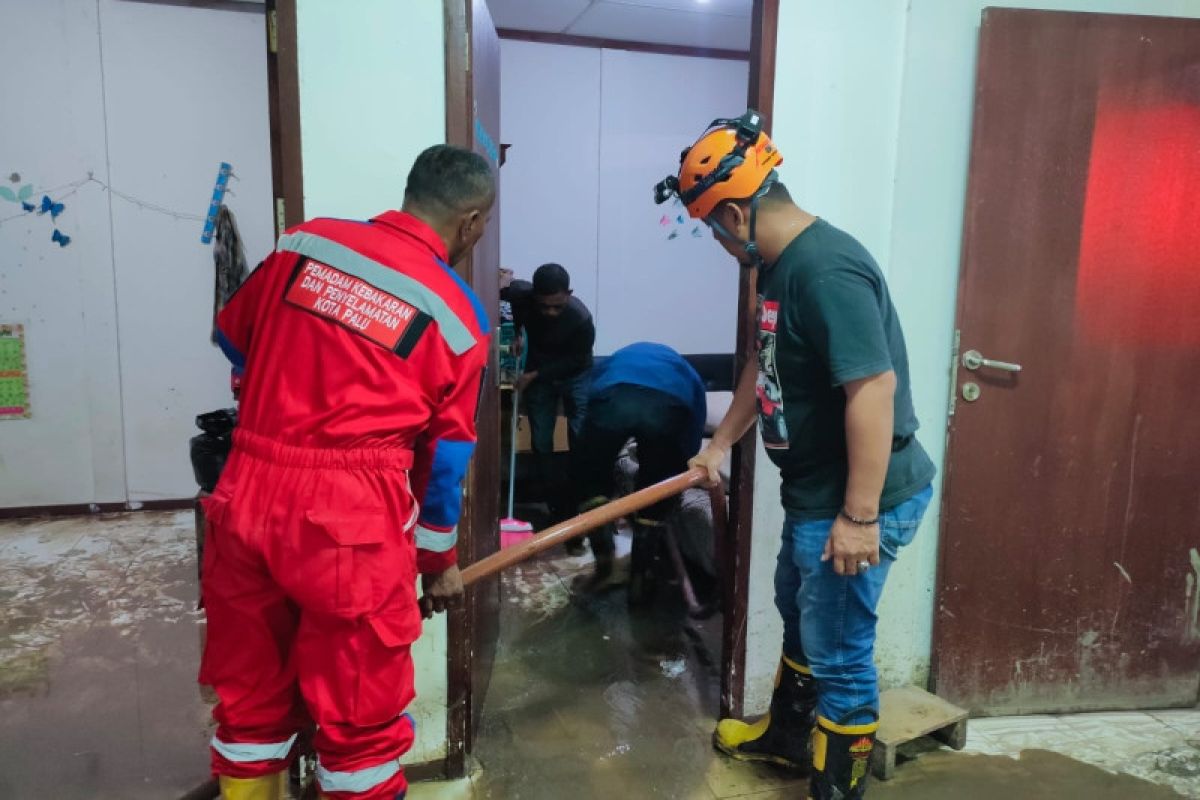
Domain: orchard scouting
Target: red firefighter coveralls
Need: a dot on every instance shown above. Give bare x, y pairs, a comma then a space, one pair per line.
364, 356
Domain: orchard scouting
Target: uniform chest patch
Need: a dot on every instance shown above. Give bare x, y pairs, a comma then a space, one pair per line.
356, 305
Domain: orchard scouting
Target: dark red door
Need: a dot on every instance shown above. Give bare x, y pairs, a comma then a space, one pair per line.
1071, 520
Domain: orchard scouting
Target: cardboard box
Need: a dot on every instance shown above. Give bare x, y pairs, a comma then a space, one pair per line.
523, 438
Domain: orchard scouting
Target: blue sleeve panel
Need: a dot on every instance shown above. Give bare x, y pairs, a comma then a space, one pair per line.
442, 503
480, 313
235, 356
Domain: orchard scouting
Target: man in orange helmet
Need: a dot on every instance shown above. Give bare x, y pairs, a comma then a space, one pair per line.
831, 391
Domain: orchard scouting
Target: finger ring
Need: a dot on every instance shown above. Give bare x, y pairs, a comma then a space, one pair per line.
863, 566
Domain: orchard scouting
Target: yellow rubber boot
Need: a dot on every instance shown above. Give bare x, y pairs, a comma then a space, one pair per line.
782, 736
267, 787
841, 760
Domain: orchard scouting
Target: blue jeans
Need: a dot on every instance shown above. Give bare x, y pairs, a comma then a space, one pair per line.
541, 403
829, 619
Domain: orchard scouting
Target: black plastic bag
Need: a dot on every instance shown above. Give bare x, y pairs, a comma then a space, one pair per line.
211, 448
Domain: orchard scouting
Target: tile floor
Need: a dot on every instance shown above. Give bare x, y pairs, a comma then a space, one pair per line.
1162, 747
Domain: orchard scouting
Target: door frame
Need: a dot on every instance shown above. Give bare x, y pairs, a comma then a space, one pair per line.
287, 176
283, 83
735, 580
460, 112
461, 701
283, 98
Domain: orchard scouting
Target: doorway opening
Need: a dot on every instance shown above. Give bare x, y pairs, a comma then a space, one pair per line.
584, 126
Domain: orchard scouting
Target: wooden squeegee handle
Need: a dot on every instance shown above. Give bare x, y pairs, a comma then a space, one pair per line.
584, 523
556, 535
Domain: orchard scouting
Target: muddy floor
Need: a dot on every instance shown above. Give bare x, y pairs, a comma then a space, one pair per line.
591, 700
100, 638
1036, 775
99, 642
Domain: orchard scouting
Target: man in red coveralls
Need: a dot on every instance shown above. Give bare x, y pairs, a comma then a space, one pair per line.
364, 358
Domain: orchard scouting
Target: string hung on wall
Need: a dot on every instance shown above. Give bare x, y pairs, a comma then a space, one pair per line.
53, 205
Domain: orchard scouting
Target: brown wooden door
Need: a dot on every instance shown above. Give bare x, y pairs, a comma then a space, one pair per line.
1071, 518
473, 119
485, 506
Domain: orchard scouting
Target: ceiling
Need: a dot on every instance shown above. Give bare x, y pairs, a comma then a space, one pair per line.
723, 24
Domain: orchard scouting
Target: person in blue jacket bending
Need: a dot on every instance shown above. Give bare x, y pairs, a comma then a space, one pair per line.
646, 392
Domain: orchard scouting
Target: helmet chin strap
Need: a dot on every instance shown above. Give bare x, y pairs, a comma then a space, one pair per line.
751, 245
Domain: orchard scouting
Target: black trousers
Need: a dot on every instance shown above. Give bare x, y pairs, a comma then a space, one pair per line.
660, 425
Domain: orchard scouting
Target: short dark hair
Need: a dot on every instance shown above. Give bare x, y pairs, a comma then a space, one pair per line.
446, 179
551, 279
778, 193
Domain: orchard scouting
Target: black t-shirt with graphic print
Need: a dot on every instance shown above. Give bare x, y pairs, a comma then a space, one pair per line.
825, 319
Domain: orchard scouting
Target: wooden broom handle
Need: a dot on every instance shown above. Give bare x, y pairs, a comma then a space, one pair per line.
584, 523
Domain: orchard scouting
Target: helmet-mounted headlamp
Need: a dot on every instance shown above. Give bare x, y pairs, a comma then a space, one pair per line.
747, 129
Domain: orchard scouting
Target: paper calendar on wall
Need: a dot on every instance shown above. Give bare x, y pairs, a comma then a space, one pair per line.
14, 379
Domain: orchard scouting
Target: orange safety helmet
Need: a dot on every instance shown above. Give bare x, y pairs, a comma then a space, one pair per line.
733, 160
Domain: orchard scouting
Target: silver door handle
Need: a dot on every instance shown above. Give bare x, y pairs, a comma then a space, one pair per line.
973, 359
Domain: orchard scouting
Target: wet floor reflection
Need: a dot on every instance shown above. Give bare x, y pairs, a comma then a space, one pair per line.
99, 642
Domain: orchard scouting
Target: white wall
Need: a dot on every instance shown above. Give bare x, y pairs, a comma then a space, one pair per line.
71, 450
117, 334
873, 103
372, 97
589, 129
550, 114
652, 287
174, 114
837, 97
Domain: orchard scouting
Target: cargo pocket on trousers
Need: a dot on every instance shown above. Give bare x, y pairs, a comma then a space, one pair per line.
385, 673
338, 562
214, 511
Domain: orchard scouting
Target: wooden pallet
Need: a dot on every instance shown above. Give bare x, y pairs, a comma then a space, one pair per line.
909, 713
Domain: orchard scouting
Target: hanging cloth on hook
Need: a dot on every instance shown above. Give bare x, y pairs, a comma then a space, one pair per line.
230, 260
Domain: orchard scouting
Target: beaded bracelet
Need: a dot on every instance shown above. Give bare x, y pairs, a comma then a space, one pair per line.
853, 520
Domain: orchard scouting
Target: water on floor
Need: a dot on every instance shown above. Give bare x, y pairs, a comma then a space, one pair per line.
99, 642
588, 695
589, 700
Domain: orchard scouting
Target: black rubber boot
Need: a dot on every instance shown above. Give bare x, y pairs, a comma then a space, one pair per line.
601, 541
782, 736
645, 561
841, 760
604, 555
